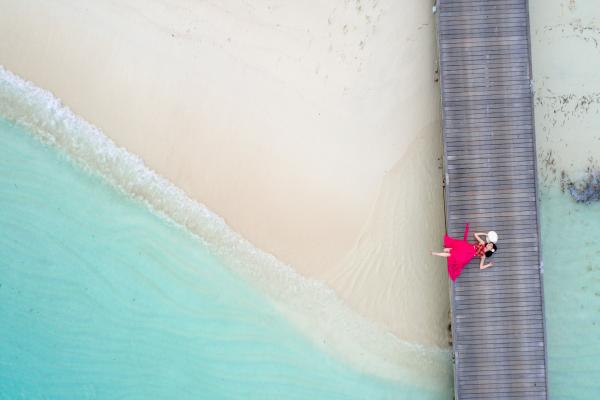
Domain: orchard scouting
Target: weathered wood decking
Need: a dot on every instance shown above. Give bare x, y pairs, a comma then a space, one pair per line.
489, 150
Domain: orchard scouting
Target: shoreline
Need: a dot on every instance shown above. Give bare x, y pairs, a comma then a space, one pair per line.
304, 138
308, 304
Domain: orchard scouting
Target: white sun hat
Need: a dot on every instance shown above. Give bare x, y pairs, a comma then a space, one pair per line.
492, 237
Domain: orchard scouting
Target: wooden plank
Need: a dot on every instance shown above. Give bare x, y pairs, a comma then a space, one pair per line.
501, 366
487, 364
484, 42
459, 71
472, 117
526, 372
494, 129
483, 36
475, 11
455, 21
500, 310
490, 165
482, 31
465, 79
517, 325
480, 40
454, 93
473, 154
487, 168
516, 94
464, 206
485, 61
470, 84
499, 357
467, 161
487, 82
493, 347
511, 329
487, 115
472, 105
477, 3
479, 208
490, 64
467, 107
477, 91
530, 396
475, 157
486, 55
522, 139
485, 171
502, 273
485, 388
494, 22
519, 359
467, 201
467, 197
455, 70
497, 298
486, 287
461, 214
490, 57
499, 175
499, 323
531, 371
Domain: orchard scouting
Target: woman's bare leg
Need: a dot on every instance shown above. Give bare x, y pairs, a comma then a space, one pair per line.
440, 254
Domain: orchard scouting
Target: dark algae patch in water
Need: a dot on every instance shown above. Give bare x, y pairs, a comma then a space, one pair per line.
585, 190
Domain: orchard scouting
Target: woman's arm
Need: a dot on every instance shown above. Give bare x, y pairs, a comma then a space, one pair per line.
478, 238
484, 266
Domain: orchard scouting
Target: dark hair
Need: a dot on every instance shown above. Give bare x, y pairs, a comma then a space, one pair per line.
490, 253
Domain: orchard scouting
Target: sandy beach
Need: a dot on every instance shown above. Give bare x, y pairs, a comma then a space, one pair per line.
313, 129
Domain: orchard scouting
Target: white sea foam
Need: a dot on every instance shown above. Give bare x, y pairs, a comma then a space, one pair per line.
311, 305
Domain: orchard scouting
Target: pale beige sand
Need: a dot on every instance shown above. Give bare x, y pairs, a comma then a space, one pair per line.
312, 127
565, 37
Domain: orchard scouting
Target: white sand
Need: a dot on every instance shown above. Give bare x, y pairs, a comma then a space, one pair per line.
312, 128
565, 39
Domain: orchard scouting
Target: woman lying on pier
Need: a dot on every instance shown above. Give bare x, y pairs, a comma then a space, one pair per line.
460, 252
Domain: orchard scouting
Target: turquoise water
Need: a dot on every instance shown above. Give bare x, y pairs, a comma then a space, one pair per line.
102, 298
571, 253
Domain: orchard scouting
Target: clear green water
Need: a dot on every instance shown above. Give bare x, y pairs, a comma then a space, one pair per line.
100, 298
571, 253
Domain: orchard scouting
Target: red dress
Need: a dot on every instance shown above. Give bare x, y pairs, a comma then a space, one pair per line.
462, 252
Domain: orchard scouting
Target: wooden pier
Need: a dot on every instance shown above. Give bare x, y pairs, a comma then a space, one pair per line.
498, 321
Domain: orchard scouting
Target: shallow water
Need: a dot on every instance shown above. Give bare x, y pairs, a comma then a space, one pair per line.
572, 294
565, 37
